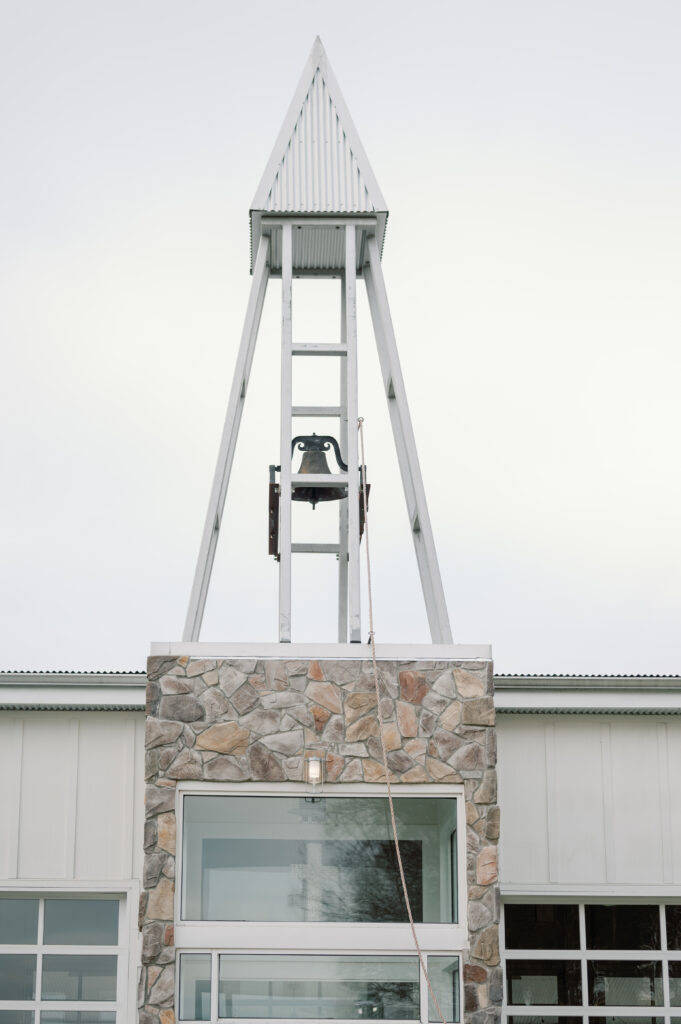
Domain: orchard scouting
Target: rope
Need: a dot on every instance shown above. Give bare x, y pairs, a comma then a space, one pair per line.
372, 641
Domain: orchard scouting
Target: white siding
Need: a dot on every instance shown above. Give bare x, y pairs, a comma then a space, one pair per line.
589, 800
71, 795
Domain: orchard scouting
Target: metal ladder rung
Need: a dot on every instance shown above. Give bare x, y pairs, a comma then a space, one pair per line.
316, 410
315, 549
314, 349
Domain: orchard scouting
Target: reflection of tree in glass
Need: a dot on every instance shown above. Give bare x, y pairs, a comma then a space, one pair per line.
354, 875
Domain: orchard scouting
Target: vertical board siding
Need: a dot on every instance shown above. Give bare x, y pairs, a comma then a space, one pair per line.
523, 852
72, 790
607, 807
576, 854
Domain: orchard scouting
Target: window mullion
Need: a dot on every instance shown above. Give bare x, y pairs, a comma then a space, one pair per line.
583, 963
214, 986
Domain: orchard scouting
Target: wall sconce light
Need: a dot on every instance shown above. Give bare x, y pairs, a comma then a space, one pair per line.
314, 770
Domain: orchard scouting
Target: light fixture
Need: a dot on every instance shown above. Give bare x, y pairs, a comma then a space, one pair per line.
313, 773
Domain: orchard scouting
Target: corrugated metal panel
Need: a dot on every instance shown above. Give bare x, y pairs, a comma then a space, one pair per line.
315, 248
319, 172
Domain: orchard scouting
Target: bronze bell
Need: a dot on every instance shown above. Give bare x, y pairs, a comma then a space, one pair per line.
314, 461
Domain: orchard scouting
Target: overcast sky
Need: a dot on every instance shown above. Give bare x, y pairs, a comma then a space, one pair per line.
530, 155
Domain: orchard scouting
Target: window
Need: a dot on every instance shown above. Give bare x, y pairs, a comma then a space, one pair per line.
292, 909
289, 859
59, 960
318, 987
611, 962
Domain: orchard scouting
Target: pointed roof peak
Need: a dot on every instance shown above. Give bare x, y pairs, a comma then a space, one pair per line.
318, 164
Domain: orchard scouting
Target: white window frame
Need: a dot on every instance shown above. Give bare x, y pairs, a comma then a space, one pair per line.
584, 1010
126, 950
214, 986
330, 938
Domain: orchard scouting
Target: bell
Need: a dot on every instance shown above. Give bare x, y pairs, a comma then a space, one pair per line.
314, 461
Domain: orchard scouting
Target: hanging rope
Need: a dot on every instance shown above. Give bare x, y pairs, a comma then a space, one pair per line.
398, 854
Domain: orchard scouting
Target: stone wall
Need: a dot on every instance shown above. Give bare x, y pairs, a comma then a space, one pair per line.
242, 721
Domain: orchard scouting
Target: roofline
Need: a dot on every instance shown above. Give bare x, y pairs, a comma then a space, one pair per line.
526, 695
317, 60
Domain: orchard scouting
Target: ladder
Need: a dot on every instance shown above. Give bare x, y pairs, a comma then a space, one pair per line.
347, 548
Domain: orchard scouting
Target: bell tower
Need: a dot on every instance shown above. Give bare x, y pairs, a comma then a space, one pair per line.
319, 212
268, 764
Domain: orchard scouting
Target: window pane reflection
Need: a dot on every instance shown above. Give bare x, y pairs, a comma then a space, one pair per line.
541, 926
79, 977
443, 972
626, 1020
544, 982
623, 927
673, 914
16, 1016
18, 922
77, 1017
625, 983
543, 1019
285, 859
81, 922
195, 986
17, 975
322, 987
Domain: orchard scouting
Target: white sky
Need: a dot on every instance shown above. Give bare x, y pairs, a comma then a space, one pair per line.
530, 155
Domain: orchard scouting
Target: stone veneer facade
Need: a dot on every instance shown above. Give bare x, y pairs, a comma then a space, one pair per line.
244, 721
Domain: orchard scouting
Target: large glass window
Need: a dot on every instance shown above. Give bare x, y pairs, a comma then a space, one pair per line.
315, 987
260, 858
68, 955
626, 955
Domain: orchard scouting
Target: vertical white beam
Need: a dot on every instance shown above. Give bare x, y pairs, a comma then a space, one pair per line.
230, 432
426, 556
353, 455
343, 505
285, 435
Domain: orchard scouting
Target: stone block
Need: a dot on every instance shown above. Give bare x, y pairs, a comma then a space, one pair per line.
181, 708
479, 711
161, 901
158, 799
230, 678
224, 768
158, 734
265, 765
486, 866
352, 771
406, 719
224, 738
325, 694
263, 722
362, 729
357, 705
413, 687
287, 743
469, 684
244, 699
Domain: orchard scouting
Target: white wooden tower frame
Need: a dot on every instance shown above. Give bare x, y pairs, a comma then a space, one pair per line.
319, 212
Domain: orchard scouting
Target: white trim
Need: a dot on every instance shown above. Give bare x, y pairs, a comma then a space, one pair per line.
31, 696
602, 893
321, 652
587, 700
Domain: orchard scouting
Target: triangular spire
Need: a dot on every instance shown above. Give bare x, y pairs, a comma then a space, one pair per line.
318, 164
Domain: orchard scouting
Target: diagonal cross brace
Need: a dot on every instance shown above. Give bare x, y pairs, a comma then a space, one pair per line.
426, 556
223, 469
